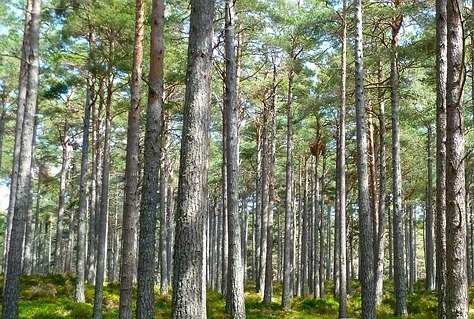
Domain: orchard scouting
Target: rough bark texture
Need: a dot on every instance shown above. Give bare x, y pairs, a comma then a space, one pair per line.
149, 200
456, 260
165, 168
235, 276
11, 290
441, 38
430, 236
380, 249
20, 111
188, 299
81, 231
398, 238
365, 218
130, 207
288, 265
104, 206
341, 174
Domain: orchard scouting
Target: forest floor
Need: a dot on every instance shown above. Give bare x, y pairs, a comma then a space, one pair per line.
52, 297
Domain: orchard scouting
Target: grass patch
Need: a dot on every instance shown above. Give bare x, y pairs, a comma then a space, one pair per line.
52, 297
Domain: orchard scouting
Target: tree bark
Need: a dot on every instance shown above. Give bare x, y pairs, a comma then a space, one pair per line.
11, 289
365, 216
456, 281
398, 238
188, 301
152, 154
288, 266
235, 276
131, 197
341, 173
104, 203
429, 233
441, 66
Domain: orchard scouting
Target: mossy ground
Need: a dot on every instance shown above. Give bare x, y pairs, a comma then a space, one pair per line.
52, 297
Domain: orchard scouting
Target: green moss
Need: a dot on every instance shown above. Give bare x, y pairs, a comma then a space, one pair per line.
52, 297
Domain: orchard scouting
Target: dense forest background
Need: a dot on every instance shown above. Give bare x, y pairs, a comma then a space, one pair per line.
273, 166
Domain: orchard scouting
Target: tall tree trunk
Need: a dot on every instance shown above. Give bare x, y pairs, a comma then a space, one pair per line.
456, 281
11, 289
398, 238
188, 296
150, 187
341, 173
59, 247
20, 111
380, 240
104, 203
83, 185
165, 168
288, 266
131, 197
235, 276
268, 289
441, 66
429, 233
264, 196
365, 216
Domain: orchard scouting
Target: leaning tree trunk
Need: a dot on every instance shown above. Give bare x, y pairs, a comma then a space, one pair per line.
456, 281
20, 111
131, 198
11, 290
188, 300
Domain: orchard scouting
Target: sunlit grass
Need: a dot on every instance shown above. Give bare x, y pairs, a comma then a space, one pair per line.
52, 297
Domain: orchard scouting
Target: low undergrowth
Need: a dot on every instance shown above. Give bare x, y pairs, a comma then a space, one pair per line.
52, 297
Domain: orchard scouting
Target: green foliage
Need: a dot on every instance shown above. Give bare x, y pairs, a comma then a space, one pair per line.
50, 297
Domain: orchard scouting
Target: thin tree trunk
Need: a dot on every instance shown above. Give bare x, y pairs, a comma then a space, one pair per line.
131, 197
398, 240
11, 289
81, 232
235, 276
104, 205
288, 266
59, 247
165, 168
441, 66
20, 111
341, 172
380, 241
430, 236
150, 187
